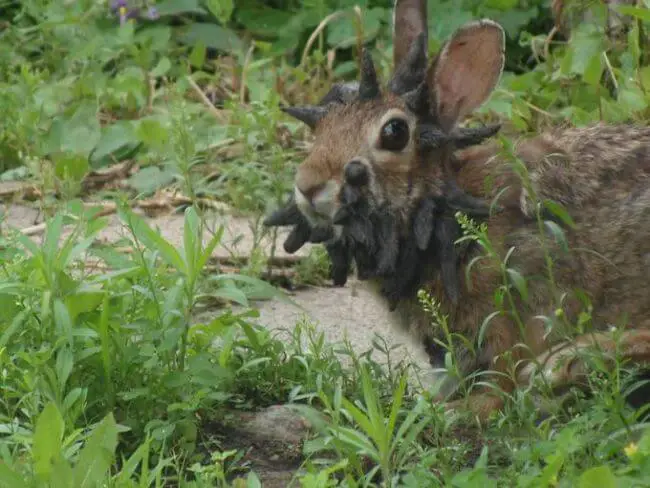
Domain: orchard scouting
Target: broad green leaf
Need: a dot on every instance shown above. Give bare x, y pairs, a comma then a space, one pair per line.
501, 4
637, 12
262, 20
162, 67
212, 36
152, 178
512, 20
358, 415
64, 364
96, 457
253, 481
9, 478
83, 302
175, 7
519, 282
261, 289
191, 241
117, 138
445, 17
221, 9
129, 467
153, 240
586, 42
231, 294
560, 212
74, 395
209, 248
15, 325
197, 56
598, 477
152, 133
10, 307
82, 131
74, 250
594, 69
484, 326
48, 435
156, 37
632, 98
52, 237
62, 474
557, 233
62, 320
343, 33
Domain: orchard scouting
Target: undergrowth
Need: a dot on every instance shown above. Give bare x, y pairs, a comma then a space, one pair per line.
114, 359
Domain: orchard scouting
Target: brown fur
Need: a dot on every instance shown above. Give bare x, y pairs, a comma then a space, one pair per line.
598, 173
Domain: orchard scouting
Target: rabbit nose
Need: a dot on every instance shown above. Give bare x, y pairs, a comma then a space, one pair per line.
311, 192
356, 173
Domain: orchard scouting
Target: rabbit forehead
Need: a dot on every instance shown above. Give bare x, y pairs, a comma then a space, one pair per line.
350, 131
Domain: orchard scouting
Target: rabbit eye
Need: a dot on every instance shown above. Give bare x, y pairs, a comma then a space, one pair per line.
394, 135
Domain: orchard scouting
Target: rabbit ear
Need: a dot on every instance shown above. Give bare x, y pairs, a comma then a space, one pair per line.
410, 43
466, 70
409, 21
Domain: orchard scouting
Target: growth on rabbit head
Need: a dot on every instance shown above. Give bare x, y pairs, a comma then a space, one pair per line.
393, 144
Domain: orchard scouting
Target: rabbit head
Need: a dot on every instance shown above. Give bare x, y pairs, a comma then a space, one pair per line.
392, 145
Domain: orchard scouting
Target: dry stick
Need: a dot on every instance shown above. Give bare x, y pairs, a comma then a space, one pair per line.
109, 208
206, 101
549, 39
277, 261
244, 72
33, 229
530, 105
611, 70
314, 35
102, 266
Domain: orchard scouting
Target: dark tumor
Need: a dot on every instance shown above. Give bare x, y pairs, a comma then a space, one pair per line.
371, 238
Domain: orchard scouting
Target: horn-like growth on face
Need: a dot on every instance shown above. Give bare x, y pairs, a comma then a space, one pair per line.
341, 93
308, 114
473, 136
369, 85
432, 137
418, 101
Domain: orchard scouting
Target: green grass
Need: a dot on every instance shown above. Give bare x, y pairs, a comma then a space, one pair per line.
111, 375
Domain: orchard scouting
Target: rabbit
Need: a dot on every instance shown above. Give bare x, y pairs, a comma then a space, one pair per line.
389, 169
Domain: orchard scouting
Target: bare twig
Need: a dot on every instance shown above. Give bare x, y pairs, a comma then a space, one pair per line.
33, 230
168, 202
98, 178
547, 42
317, 31
237, 261
244, 72
206, 101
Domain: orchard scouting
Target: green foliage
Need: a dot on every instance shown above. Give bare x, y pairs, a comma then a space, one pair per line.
109, 375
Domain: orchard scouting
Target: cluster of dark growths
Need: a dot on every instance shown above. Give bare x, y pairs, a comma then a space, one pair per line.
371, 239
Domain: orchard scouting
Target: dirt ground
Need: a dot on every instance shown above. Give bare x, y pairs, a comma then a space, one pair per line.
350, 312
